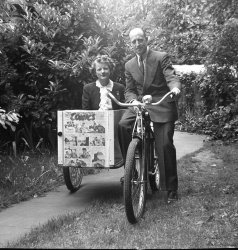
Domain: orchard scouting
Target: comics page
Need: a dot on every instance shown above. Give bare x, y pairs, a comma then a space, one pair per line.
85, 138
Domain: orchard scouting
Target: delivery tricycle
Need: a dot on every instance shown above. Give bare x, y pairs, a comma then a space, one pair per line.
88, 139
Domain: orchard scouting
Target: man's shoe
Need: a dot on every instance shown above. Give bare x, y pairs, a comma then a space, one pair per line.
172, 196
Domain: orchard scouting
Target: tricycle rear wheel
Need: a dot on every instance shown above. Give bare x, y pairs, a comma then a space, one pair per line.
73, 178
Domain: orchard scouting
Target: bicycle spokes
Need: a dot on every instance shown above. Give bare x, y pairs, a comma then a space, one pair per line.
135, 182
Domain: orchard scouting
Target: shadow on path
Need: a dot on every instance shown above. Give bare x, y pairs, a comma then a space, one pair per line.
20, 218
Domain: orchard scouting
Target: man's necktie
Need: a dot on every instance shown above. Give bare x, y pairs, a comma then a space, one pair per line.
141, 65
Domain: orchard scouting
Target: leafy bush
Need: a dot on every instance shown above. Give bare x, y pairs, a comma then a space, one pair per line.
27, 176
8, 122
46, 49
218, 88
189, 100
9, 119
46, 54
220, 123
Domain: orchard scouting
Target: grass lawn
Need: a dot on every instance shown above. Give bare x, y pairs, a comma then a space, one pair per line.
28, 176
206, 215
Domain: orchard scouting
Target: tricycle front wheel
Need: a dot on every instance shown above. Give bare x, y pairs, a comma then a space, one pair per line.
73, 177
135, 181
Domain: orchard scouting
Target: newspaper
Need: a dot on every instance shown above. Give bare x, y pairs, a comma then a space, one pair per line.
85, 138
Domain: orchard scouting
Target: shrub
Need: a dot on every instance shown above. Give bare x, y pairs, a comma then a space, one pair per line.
190, 97
219, 89
46, 53
220, 123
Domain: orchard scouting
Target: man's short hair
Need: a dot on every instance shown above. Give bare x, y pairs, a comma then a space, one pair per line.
141, 30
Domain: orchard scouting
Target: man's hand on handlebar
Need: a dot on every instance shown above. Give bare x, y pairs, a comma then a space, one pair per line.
137, 103
175, 91
147, 99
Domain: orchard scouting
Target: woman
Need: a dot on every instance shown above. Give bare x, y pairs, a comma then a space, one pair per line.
95, 94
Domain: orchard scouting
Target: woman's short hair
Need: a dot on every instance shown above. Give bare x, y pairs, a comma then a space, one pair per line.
103, 59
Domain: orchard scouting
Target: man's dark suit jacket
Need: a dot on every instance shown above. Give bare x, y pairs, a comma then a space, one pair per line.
91, 96
159, 78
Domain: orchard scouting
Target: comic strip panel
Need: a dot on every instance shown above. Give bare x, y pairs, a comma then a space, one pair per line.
70, 140
83, 140
97, 140
98, 154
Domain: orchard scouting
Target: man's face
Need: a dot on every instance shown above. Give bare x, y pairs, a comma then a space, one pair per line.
138, 42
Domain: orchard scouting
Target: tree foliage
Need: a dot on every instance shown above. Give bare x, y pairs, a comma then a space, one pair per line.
46, 49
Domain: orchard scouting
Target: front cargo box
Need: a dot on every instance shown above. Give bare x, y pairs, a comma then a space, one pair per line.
88, 138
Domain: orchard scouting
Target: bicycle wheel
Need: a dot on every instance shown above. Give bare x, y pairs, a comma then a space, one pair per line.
73, 177
135, 186
154, 173
154, 177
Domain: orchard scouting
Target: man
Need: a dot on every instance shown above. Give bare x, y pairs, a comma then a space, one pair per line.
149, 76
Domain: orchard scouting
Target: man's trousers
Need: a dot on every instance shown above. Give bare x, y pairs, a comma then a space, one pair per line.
164, 147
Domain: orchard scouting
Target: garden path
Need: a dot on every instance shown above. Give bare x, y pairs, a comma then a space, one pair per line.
21, 218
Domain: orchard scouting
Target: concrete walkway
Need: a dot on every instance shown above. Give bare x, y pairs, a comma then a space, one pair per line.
20, 218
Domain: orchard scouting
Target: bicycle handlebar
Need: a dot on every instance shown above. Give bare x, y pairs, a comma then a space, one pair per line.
141, 104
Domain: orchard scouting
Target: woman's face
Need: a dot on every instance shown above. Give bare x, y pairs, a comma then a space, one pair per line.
103, 73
